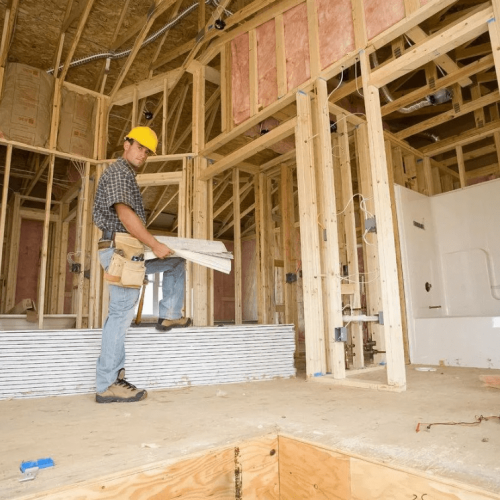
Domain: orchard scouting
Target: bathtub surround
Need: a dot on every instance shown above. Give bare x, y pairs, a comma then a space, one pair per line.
451, 266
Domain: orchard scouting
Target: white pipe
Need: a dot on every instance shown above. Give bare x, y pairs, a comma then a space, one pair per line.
360, 318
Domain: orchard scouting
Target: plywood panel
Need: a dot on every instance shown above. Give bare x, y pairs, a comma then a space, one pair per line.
306, 471
211, 475
382, 14
373, 482
336, 30
266, 64
240, 78
298, 68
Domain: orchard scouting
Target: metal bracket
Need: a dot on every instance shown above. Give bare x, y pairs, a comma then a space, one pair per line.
29, 474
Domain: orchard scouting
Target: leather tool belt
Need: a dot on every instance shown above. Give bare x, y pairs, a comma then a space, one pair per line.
107, 240
126, 268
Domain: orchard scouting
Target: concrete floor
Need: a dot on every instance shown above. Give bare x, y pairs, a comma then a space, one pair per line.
87, 440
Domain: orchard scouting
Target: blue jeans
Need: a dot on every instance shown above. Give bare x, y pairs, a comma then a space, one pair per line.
122, 302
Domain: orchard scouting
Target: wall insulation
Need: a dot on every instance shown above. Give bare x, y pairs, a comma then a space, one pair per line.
77, 124
26, 105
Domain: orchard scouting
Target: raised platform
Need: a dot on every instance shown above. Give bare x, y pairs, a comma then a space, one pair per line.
57, 362
183, 440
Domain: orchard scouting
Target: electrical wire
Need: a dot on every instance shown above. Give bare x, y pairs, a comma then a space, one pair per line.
124, 53
340, 83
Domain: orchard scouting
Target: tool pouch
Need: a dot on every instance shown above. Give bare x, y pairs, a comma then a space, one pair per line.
129, 245
123, 271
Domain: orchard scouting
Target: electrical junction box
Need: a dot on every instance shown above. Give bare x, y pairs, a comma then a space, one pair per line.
341, 334
371, 225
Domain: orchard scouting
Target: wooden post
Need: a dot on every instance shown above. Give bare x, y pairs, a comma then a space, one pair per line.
43, 265
329, 243
200, 199
11, 270
288, 236
5, 196
396, 375
350, 238
429, 181
461, 166
373, 286
63, 262
238, 282
164, 122
264, 249
310, 251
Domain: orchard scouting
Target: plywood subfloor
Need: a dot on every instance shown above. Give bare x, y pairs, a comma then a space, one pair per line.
87, 440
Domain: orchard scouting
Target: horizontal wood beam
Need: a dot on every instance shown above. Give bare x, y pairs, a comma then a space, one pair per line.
435, 45
417, 34
159, 179
441, 83
219, 141
35, 214
146, 88
468, 137
281, 132
449, 115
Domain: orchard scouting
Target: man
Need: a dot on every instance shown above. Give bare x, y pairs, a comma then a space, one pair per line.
118, 208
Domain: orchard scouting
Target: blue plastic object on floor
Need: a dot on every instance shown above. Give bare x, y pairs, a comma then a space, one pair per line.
41, 463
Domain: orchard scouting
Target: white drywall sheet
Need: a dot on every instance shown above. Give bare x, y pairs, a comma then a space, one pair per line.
53, 363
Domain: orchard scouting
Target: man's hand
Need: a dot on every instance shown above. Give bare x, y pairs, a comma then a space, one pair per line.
161, 250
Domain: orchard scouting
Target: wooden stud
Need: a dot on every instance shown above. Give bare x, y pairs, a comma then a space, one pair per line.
11, 270
5, 197
402, 302
254, 85
396, 375
83, 244
328, 241
238, 282
280, 56
312, 23
350, 237
200, 199
461, 166
373, 290
8, 27
288, 238
226, 92
436, 181
310, 250
358, 17
43, 264
429, 181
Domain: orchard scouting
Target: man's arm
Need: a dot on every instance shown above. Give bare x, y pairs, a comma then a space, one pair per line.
136, 228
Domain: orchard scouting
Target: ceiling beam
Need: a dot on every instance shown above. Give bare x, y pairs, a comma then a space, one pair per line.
151, 18
76, 39
441, 42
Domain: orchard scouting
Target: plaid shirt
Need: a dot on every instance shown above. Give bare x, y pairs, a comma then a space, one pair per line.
117, 185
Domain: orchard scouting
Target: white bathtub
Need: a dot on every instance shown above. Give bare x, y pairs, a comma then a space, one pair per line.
457, 341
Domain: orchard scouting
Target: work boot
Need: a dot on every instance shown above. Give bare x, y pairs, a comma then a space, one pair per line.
164, 325
121, 391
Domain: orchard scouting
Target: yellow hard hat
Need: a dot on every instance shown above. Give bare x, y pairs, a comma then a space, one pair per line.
145, 137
